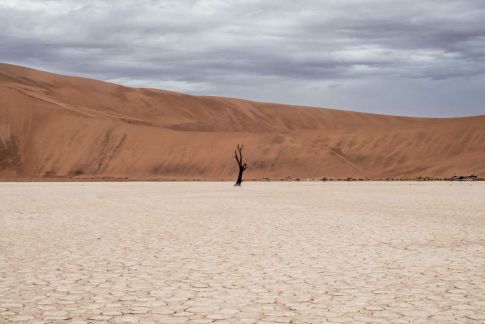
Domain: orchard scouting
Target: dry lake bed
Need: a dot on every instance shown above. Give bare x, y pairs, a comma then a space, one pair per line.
273, 252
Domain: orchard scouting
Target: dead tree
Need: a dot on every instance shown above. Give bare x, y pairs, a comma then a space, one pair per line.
242, 166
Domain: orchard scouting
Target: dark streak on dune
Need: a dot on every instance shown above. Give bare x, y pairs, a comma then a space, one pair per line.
54, 126
9, 154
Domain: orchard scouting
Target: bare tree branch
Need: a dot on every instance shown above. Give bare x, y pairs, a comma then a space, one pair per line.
237, 158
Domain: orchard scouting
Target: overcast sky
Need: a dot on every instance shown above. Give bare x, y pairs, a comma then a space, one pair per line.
413, 57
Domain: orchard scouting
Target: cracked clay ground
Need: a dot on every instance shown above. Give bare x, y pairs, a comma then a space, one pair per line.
267, 252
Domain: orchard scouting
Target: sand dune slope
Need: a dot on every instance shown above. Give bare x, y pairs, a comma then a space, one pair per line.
54, 126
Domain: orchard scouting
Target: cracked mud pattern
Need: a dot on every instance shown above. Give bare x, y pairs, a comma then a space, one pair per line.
263, 253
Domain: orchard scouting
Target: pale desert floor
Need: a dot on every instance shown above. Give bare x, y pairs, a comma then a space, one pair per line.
267, 252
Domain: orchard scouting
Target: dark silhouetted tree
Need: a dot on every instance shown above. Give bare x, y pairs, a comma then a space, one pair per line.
242, 166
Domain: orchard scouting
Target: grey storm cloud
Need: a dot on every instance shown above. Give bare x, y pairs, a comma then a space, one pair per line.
410, 57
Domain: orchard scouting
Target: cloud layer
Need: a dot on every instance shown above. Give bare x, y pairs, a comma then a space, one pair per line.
410, 57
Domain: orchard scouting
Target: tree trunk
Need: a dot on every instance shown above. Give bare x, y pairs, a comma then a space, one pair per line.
239, 178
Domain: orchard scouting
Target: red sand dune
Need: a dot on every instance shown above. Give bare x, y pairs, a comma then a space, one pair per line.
54, 126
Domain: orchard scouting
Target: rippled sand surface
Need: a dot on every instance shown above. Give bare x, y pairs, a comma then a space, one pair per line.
267, 252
